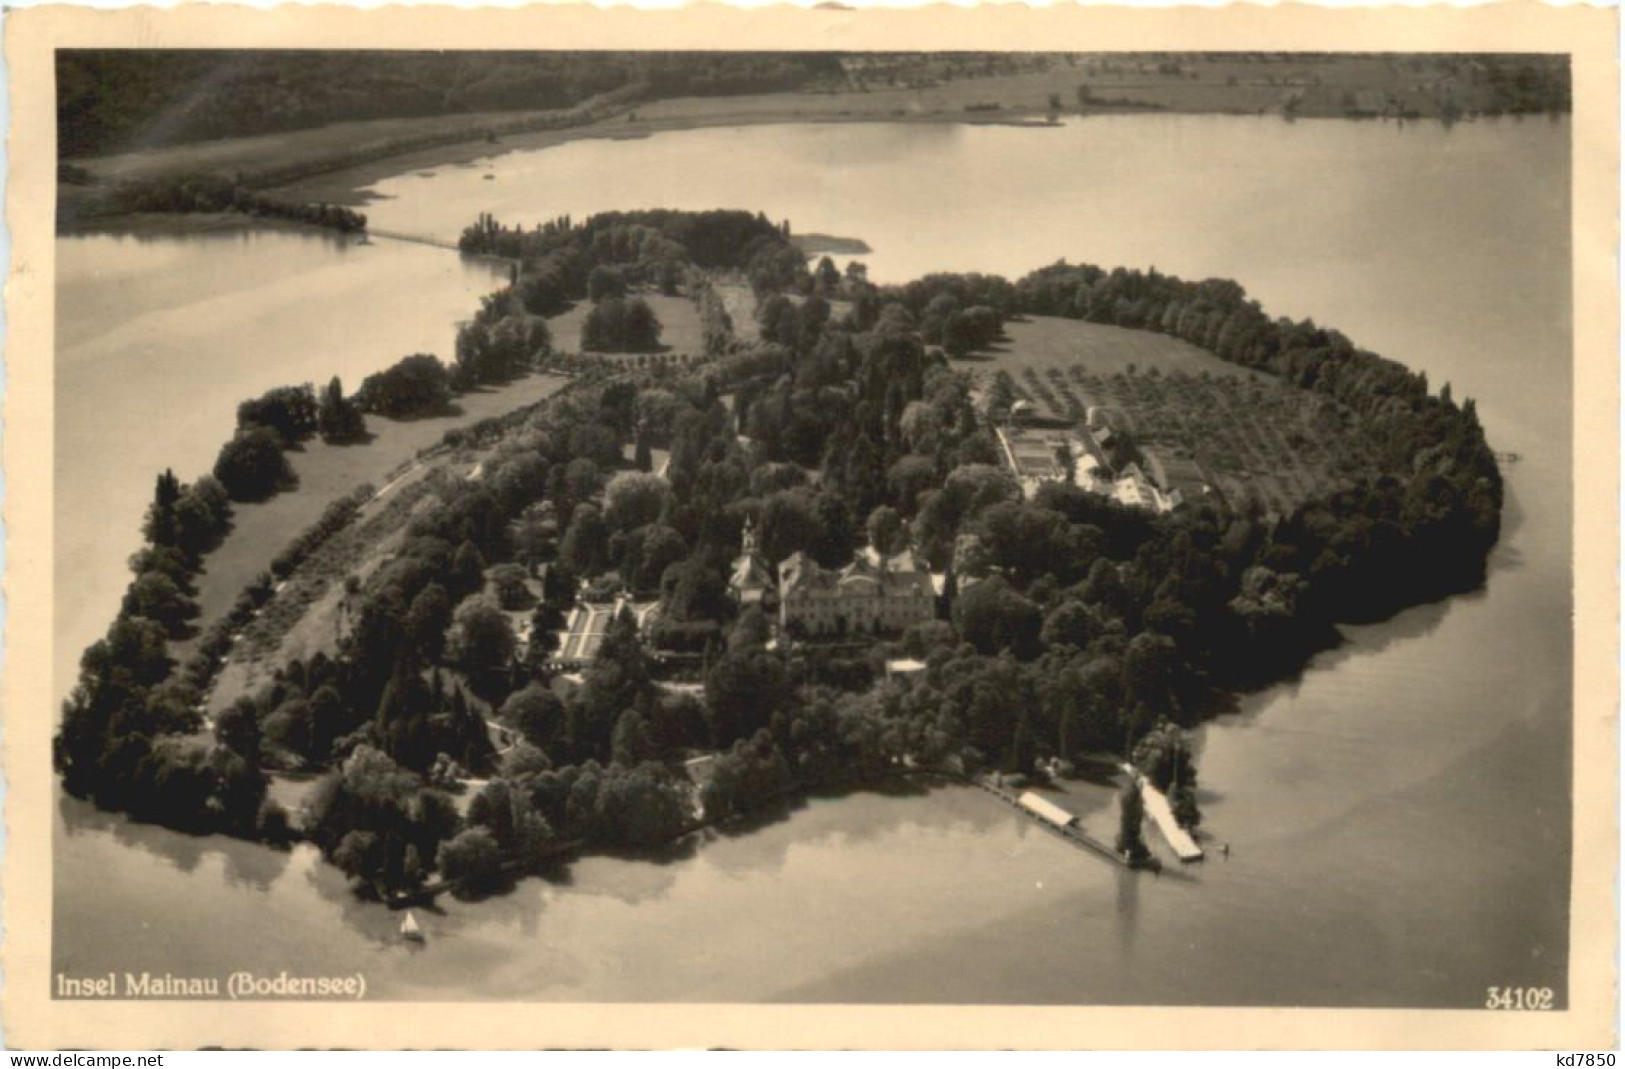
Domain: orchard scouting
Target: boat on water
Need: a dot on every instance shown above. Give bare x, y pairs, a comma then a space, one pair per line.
410, 930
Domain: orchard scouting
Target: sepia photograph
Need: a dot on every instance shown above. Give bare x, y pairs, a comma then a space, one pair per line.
781, 527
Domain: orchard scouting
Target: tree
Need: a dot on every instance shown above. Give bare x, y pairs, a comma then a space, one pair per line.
651, 550
635, 499
1071, 624
338, 419
1150, 670
418, 385
201, 516
251, 466
159, 527
935, 317
827, 277
524, 761
605, 282
692, 591
481, 641
907, 479
992, 617
742, 692
972, 329
751, 631
1131, 816
471, 860
631, 744
290, 411
585, 547
467, 569
508, 581
619, 325
641, 332
427, 619
885, 529
536, 713
237, 728
156, 596
288, 728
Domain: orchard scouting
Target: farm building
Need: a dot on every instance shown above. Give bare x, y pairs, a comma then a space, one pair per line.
1134, 489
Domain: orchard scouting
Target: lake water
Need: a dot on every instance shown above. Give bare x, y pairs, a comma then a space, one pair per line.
159, 338
1399, 817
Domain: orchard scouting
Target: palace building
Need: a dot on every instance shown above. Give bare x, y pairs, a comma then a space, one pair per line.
872, 595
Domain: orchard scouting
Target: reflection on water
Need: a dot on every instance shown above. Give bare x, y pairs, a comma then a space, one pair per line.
1398, 814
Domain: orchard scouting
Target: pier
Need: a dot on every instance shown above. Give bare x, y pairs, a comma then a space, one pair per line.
1162, 814
1070, 832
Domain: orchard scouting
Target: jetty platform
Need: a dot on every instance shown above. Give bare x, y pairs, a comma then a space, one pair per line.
1162, 815
1067, 830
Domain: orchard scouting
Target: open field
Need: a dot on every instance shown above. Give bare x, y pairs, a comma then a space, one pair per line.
326, 473
927, 87
1040, 343
680, 329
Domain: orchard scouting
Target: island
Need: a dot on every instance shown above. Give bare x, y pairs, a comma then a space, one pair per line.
771, 529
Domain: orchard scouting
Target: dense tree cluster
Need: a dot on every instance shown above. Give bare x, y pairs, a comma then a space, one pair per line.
417, 385
617, 325
338, 418
500, 343
252, 467
290, 411
115, 99
210, 193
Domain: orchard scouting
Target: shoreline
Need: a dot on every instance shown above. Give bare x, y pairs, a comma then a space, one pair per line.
348, 186
158, 225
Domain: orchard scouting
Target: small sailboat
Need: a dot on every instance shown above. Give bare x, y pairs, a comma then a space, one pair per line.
410, 929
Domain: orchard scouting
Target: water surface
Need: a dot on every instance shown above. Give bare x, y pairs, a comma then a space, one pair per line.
159, 338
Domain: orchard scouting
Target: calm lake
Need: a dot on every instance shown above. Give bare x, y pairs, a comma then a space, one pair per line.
1399, 817
158, 338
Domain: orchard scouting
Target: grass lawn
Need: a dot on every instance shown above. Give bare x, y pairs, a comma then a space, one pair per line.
680, 330
740, 302
1043, 343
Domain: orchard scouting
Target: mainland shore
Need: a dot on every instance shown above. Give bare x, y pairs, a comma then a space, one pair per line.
336, 164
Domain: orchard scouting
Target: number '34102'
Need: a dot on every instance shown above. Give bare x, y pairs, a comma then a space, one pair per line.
1518, 998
